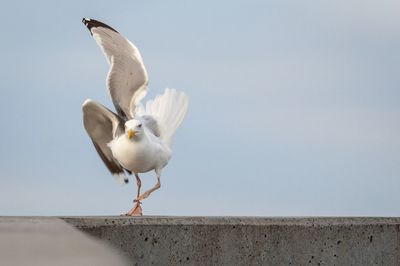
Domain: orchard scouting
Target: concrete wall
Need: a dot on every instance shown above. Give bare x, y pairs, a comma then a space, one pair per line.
249, 241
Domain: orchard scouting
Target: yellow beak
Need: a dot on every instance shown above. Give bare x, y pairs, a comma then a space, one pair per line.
130, 133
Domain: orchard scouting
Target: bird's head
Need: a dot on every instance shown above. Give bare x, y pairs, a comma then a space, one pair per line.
134, 129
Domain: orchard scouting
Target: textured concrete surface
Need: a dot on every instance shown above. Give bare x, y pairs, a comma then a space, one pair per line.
249, 240
51, 241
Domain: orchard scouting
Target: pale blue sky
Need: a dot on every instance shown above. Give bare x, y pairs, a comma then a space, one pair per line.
294, 106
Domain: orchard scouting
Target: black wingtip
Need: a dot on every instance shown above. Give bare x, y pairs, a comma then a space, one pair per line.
92, 23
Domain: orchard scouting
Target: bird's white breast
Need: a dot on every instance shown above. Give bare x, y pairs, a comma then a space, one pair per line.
139, 156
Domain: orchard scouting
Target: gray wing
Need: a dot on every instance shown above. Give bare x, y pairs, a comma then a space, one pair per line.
102, 126
127, 78
151, 124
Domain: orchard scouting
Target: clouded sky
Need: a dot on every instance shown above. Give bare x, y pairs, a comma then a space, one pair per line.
294, 106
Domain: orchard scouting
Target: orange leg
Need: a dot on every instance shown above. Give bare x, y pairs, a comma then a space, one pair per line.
136, 209
148, 192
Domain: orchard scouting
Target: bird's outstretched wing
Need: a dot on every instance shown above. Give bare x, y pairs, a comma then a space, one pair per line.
166, 112
102, 126
127, 78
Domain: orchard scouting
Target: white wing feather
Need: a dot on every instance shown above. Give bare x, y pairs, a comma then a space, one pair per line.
168, 109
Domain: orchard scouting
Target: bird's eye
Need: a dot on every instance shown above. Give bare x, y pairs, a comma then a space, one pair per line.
140, 125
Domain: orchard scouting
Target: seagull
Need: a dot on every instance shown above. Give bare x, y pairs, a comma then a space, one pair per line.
137, 138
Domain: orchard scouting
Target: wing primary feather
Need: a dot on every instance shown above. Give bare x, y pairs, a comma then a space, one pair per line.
92, 23
111, 165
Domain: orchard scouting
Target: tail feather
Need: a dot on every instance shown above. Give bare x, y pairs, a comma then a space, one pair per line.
169, 109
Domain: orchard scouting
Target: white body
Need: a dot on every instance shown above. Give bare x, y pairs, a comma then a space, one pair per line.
142, 154
150, 148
